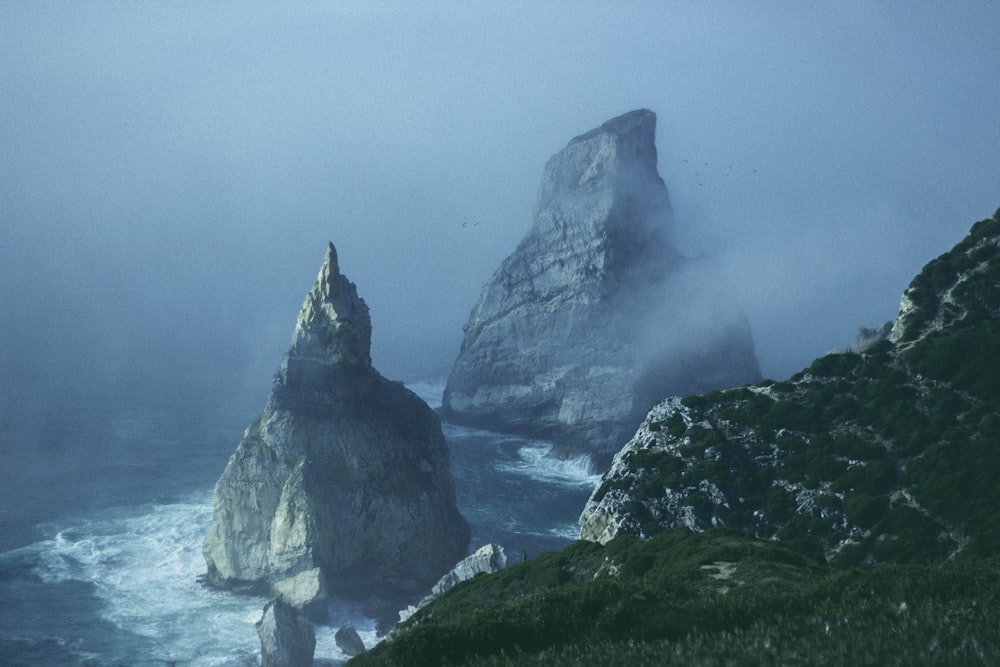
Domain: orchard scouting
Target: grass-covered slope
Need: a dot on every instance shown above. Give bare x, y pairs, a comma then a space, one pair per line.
850, 515
890, 455
713, 598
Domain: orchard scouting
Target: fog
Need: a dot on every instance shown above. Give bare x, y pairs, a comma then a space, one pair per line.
170, 173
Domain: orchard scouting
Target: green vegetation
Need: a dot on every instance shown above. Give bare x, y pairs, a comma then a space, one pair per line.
714, 598
861, 509
890, 451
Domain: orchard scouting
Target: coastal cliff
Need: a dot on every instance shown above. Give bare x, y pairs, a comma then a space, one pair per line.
884, 453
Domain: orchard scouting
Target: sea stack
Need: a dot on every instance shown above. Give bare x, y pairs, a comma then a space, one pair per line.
343, 483
596, 315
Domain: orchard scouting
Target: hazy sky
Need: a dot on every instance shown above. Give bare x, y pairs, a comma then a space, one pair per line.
170, 172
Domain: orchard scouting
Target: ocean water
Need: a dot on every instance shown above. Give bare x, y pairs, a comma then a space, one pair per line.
116, 581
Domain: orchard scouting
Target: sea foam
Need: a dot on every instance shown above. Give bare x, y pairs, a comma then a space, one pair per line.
536, 461
146, 569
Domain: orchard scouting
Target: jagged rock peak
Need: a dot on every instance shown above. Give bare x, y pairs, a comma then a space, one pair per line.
632, 135
611, 168
343, 484
595, 316
334, 324
640, 122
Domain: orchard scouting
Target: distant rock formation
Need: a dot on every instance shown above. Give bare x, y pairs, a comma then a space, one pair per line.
884, 453
595, 316
287, 638
343, 483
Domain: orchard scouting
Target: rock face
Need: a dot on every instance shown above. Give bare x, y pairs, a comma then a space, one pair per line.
343, 483
595, 315
886, 453
286, 636
487, 559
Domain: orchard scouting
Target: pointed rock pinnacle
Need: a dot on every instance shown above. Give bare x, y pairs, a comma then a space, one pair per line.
334, 325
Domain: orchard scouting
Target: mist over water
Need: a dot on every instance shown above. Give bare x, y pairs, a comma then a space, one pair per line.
170, 175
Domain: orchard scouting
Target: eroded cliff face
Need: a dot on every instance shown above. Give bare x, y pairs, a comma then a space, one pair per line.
343, 483
888, 453
595, 315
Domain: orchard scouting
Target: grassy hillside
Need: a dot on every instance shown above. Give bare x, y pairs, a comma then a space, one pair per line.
847, 515
712, 598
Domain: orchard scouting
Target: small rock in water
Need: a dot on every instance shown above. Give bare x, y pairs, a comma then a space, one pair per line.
348, 640
286, 636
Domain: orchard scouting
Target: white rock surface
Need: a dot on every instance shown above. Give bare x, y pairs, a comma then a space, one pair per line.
595, 316
487, 559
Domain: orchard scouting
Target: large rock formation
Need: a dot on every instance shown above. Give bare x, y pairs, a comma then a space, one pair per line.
343, 483
595, 315
884, 454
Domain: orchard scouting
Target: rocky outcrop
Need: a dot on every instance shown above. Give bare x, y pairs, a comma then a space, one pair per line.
343, 484
885, 453
348, 640
487, 559
287, 638
595, 315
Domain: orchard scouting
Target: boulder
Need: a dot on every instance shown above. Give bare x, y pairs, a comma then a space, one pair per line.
286, 636
348, 640
595, 316
343, 483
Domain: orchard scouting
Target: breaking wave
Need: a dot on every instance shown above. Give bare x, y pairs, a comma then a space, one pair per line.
536, 461
121, 585
145, 571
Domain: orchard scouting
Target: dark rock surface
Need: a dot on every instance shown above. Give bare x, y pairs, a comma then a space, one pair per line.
348, 640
